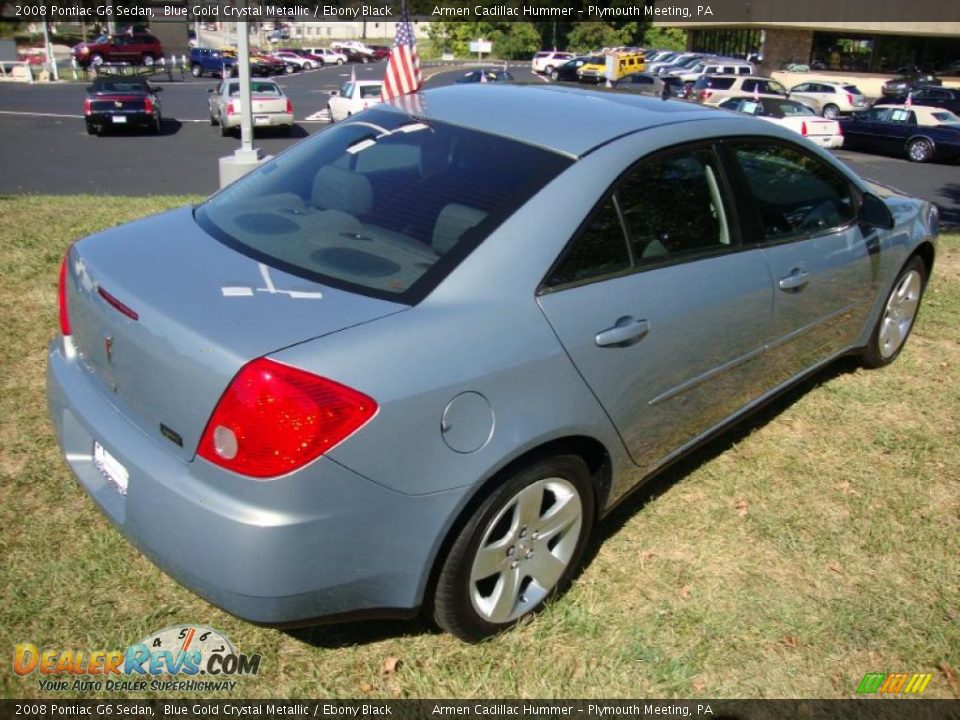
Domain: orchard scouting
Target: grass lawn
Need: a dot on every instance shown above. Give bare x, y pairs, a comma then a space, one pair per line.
816, 543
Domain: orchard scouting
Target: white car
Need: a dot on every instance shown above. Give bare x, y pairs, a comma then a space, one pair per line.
354, 45
294, 59
546, 61
792, 115
329, 57
271, 108
353, 97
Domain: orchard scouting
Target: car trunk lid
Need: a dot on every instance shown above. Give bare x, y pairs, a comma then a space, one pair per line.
163, 316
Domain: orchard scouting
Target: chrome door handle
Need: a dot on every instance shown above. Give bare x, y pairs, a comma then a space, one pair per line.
625, 332
796, 280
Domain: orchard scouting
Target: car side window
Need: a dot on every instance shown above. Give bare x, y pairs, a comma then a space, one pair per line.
673, 206
803, 88
795, 194
600, 249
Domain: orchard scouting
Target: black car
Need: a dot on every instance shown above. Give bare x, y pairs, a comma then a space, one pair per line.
644, 83
122, 102
921, 133
929, 95
568, 71
903, 84
485, 75
355, 56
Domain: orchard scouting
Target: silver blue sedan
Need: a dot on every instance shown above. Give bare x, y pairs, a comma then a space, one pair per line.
412, 361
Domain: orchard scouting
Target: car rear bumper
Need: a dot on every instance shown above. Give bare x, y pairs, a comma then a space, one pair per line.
129, 119
826, 141
261, 120
320, 542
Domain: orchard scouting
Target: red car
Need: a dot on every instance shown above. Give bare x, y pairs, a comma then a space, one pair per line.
136, 49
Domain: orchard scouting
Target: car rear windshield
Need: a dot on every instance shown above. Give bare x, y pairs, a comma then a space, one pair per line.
852, 89
384, 205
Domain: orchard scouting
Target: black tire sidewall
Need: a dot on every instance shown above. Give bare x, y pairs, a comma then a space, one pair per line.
453, 609
872, 357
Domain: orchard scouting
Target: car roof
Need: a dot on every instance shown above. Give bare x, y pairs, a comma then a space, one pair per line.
579, 120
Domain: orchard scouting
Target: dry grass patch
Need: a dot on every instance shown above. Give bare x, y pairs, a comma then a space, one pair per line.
796, 553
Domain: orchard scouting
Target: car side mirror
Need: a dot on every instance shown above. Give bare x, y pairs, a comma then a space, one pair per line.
156, 89
334, 93
875, 213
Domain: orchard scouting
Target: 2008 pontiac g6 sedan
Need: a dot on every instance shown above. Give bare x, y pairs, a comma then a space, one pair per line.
413, 360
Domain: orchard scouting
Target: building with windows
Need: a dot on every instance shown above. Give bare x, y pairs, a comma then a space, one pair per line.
851, 46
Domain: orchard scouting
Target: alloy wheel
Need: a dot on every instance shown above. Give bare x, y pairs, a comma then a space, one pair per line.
899, 314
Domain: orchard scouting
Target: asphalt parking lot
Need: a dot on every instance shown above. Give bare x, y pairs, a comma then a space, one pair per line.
46, 149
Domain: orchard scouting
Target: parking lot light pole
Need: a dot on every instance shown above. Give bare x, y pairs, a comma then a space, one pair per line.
247, 157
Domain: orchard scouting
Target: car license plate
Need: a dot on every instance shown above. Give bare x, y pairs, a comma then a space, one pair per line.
119, 118
110, 468
261, 119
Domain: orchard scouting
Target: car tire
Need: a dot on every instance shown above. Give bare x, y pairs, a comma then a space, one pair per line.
548, 70
224, 130
541, 549
308, 66
196, 71
340, 61
920, 150
555, 76
147, 60
898, 317
288, 69
96, 59
92, 129
213, 120
831, 112
156, 126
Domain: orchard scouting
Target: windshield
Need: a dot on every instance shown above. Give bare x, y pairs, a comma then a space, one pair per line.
785, 108
384, 205
852, 89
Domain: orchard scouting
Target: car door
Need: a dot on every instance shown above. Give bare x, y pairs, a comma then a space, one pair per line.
901, 125
660, 307
803, 213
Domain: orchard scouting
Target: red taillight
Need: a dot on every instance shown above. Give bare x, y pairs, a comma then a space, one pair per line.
148, 105
705, 94
803, 128
230, 108
87, 106
62, 295
274, 418
289, 106
850, 99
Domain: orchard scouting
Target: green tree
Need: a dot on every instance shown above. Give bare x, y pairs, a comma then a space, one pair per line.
511, 40
592, 35
665, 38
515, 40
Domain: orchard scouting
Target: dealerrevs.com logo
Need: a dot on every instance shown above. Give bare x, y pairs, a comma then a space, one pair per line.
180, 653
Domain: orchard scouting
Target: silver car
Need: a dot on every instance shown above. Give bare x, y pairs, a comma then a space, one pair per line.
830, 99
412, 361
270, 107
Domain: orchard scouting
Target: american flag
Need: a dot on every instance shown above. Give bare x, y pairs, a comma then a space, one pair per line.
403, 66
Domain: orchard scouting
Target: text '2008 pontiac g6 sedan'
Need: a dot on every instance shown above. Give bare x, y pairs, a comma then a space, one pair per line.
410, 362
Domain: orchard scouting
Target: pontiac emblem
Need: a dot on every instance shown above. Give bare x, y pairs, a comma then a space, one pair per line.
117, 103
108, 348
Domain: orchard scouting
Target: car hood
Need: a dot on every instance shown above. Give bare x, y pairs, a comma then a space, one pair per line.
164, 315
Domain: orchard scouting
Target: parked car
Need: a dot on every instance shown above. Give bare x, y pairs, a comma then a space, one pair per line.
266, 65
830, 99
648, 84
136, 49
353, 97
792, 115
269, 106
544, 62
298, 61
681, 61
347, 47
359, 396
568, 72
930, 95
211, 62
492, 74
712, 66
122, 102
714, 89
356, 56
329, 57
904, 84
921, 133
380, 52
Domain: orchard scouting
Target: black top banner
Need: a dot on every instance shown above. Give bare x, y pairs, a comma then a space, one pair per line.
882, 16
